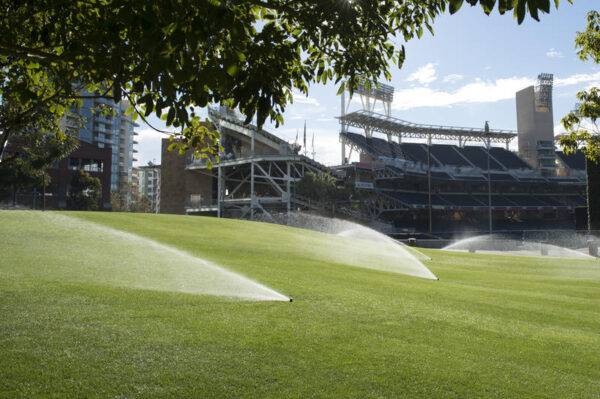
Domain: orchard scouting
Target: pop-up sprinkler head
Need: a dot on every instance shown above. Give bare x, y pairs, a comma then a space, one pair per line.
291, 299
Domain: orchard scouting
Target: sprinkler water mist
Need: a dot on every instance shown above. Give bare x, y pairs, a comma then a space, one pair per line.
543, 248
592, 247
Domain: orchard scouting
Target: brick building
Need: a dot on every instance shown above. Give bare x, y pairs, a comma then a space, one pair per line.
177, 183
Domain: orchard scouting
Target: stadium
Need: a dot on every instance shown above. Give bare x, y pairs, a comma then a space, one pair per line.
465, 179
413, 180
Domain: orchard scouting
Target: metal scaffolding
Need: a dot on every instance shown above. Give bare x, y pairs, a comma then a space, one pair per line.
256, 187
543, 92
254, 182
369, 94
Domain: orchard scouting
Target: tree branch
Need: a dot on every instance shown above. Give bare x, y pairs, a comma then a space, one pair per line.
144, 118
28, 52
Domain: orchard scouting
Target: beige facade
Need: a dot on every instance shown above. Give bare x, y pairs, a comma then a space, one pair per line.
535, 125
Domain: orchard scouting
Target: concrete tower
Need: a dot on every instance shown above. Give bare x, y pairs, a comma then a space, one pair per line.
535, 124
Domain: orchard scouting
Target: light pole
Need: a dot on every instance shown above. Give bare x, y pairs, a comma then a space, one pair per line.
429, 183
44, 192
489, 177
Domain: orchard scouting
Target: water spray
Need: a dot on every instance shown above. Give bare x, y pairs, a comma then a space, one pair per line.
359, 246
504, 245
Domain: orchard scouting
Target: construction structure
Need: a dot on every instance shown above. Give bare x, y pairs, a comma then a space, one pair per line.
405, 177
254, 179
535, 123
418, 183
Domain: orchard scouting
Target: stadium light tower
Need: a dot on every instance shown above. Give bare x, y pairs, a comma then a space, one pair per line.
370, 93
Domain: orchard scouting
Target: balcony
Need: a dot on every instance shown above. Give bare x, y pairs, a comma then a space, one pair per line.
101, 129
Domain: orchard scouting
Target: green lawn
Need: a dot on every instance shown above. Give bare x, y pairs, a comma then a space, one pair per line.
492, 326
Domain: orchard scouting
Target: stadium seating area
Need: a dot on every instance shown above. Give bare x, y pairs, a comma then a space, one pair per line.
416, 152
573, 161
442, 154
451, 200
462, 200
478, 157
459, 182
448, 155
509, 159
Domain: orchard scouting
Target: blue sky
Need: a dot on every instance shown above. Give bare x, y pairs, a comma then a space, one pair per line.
465, 74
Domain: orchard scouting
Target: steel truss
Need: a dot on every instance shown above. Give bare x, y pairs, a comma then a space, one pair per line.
380, 203
387, 173
391, 126
256, 187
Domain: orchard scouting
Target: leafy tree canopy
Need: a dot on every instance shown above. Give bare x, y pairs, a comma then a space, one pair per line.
582, 123
170, 56
34, 147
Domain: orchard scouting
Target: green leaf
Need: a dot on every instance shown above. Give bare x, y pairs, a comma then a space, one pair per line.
455, 5
232, 70
488, 5
520, 11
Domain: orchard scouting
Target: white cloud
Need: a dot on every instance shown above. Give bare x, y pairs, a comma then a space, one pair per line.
577, 79
553, 53
327, 146
453, 78
424, 75
593, 84
478, 91
327, 142
149, 146
559, 129
301, 98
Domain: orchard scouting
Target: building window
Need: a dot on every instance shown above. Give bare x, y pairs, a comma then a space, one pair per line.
88, 165
73, 163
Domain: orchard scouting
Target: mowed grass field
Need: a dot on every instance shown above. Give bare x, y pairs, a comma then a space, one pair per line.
492, 326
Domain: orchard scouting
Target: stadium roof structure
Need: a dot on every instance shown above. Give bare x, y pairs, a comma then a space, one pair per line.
373, 121
378, 91
232, 121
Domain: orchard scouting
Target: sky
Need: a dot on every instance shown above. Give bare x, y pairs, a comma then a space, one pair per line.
465, 74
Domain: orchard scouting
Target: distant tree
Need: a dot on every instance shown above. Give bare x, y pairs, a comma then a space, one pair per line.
583, 132
141, 204
118, 202
34, 147
169, 57
319, 187
84, 192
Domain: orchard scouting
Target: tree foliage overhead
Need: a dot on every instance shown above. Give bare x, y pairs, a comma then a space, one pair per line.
35, 145
169, 57
582, 123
